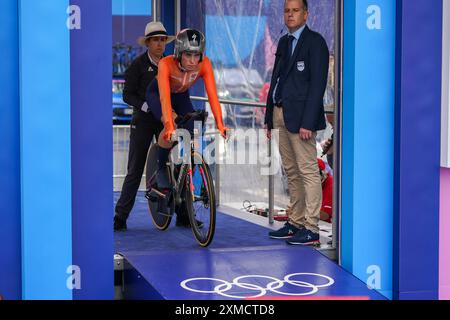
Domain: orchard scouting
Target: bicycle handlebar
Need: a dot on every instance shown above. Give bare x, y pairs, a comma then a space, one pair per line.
196, 115
192, 116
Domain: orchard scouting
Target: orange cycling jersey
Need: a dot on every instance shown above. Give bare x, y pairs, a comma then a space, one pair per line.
172, 80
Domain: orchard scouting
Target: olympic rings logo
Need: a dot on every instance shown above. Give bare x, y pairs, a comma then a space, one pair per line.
294, 280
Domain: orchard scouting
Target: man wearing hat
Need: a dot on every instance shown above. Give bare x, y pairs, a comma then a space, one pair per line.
143, 125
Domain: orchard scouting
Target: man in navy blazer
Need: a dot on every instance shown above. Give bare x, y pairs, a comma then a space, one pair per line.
295, 109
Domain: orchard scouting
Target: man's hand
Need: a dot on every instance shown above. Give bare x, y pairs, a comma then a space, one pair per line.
326, 147
305, 134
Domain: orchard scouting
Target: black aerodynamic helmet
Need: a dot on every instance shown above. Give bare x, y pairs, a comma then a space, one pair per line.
190, 40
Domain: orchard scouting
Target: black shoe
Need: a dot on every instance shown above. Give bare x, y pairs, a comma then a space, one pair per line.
184, 222
286, 232
119, 224
304, 237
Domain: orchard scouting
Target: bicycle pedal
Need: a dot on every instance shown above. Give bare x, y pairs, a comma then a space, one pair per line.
155, 195
152, 198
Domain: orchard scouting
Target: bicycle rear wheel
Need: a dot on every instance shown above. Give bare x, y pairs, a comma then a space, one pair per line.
161, 210
201, 201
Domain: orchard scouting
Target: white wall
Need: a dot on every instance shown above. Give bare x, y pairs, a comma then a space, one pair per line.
445, 136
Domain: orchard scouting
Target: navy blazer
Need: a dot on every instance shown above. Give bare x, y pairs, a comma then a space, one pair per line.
305, 83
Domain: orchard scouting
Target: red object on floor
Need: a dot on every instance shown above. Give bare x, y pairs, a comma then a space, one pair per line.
327, 191
327, 197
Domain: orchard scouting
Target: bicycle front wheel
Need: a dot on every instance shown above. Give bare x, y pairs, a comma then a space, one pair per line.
201, 201
161, 210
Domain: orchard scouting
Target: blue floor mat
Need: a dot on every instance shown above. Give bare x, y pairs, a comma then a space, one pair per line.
142, 236
239, 248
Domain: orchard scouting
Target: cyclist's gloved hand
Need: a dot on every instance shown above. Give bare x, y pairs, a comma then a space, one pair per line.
170, 130
223, 131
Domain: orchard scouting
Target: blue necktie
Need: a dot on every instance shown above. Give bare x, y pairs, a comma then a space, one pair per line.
284, 70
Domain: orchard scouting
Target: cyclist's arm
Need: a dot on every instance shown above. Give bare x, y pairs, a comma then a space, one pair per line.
164, 94
210, 85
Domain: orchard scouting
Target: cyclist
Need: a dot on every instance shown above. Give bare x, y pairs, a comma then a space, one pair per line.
143, 125
168, 95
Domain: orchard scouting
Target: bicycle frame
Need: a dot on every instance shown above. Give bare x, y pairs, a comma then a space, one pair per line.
181, 176
179, 182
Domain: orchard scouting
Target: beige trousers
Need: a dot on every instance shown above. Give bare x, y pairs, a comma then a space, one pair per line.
299, 159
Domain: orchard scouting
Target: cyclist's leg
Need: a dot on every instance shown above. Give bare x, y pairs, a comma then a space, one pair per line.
182, 105
154, 103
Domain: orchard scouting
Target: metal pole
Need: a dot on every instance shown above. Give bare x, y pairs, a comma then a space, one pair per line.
337, 154
232, 102
156, 10
236, 103
177, 16
271, 186
217, 186
217, 169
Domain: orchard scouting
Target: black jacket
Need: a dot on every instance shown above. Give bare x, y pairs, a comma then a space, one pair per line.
305, 83
137, 78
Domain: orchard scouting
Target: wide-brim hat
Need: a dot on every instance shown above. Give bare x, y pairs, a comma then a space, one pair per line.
154, 29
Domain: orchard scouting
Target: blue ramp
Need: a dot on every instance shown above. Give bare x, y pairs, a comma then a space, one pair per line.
241, 263
272, 272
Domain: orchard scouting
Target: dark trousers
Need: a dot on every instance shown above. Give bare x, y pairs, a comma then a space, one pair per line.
141, 136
